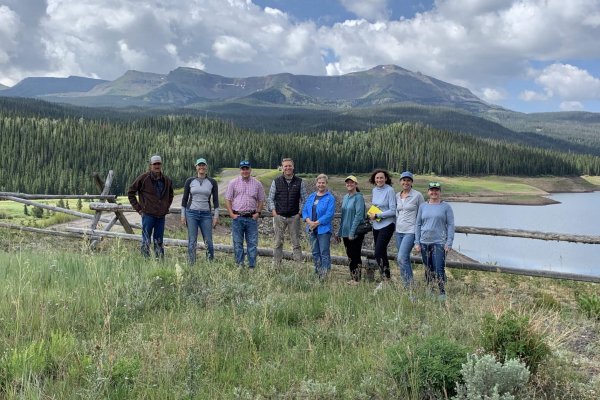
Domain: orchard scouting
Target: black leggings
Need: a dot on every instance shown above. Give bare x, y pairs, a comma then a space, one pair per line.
353, 248
381, 238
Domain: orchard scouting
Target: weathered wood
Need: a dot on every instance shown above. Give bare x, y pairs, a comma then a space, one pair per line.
529, 234
59, 196
58, 209
50, 232
105, 189
338, 260
120, 216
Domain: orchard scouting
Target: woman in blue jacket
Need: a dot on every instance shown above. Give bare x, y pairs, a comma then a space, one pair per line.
318, 213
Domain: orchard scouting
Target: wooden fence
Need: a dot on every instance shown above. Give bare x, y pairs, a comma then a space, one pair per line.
119, 210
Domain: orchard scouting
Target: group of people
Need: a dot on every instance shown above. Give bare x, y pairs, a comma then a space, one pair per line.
426, 226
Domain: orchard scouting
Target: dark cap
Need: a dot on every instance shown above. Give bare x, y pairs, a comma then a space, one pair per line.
244, 164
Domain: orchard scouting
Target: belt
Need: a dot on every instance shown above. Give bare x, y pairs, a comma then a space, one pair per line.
245, 214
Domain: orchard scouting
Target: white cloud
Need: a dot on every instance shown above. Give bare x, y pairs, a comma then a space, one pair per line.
492, 95
531, 95
569, 82
232, 49
373, 10
479, 44
571, 106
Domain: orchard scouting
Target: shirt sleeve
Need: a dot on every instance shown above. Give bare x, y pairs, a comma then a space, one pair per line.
359, 214
215, 197
271, 198
391, 200
418, 224
329, 211
449, 225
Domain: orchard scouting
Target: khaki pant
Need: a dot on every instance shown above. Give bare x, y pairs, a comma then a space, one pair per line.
280, 224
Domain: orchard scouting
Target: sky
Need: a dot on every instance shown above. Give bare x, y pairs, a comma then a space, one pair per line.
525, 55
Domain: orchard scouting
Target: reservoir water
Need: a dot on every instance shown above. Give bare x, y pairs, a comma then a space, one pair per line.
577, 213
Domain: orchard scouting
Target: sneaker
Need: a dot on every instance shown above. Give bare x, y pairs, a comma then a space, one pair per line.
352, 282
380, 286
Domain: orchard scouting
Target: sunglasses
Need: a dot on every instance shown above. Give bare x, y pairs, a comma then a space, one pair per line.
434, 185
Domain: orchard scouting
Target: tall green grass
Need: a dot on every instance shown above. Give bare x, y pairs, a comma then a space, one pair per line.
111, 324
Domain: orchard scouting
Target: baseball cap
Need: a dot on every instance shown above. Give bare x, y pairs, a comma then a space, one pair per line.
435, 185
201, 161
244, 164
352, 178
407, 174
155, 159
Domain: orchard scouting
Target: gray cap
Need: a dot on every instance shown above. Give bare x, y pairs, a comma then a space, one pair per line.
407, 174
155, 159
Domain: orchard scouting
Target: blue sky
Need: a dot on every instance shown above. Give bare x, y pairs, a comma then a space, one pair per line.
526, 55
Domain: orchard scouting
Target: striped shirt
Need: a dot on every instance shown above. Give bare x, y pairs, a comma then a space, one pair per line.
245, 195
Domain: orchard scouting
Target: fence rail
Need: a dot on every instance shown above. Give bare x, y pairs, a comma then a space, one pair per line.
111, 206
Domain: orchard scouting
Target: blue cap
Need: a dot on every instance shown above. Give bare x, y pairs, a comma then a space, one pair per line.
244, 164
407, 174
201, 161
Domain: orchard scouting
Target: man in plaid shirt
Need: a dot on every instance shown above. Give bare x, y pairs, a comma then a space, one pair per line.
245, 198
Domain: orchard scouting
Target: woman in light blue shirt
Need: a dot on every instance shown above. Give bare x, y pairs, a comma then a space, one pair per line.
384, 198
353, 213
434, 234
408, 201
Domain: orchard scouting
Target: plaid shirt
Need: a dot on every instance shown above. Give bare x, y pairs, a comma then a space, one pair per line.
245, 194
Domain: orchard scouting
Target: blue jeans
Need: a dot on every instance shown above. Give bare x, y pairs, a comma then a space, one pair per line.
405, 243
245, 227
153, 227
320, 252
203, 220
434, 261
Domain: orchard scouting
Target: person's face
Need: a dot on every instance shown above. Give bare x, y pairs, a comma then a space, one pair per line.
288, 168
350, 186
434, 193
406, 183
245, 172
156, 167
201, 168
380, 179
321, 185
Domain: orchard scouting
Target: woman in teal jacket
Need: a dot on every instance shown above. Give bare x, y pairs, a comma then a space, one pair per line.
318, 213
353, 213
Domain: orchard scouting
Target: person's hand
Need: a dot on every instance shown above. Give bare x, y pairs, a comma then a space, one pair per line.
417, 248
255, 215
447, 248
233, 216
274, 213
184, 221
351, 238
215, 221
371, 216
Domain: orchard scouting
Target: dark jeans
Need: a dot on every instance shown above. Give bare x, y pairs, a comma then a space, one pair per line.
153, 227
245, 227
434, 260
381, 238
203, 220
353, 249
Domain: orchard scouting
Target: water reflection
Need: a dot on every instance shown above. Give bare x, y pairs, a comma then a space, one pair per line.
577, 213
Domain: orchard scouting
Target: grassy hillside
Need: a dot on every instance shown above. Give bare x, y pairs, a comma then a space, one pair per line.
112, 325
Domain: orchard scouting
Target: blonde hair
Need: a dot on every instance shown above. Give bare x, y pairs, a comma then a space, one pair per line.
322, 176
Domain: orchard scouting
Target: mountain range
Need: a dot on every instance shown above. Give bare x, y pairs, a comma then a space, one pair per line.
295, 103
188, 87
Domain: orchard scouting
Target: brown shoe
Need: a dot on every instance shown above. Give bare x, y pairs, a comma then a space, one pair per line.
352, 282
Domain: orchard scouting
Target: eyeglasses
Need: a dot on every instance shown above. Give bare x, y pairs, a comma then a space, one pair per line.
156, 163
434, 185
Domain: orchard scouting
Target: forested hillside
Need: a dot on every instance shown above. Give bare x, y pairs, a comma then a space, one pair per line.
57, 155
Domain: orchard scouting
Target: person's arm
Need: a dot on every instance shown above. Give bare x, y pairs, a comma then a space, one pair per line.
229, 209
271, 199
215, 199
133, 192
184, 200
259, 207
306, 212
359, 215
449, 227
171, 192
229, 199
303, 194
391, 204
418, 224
329, 211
